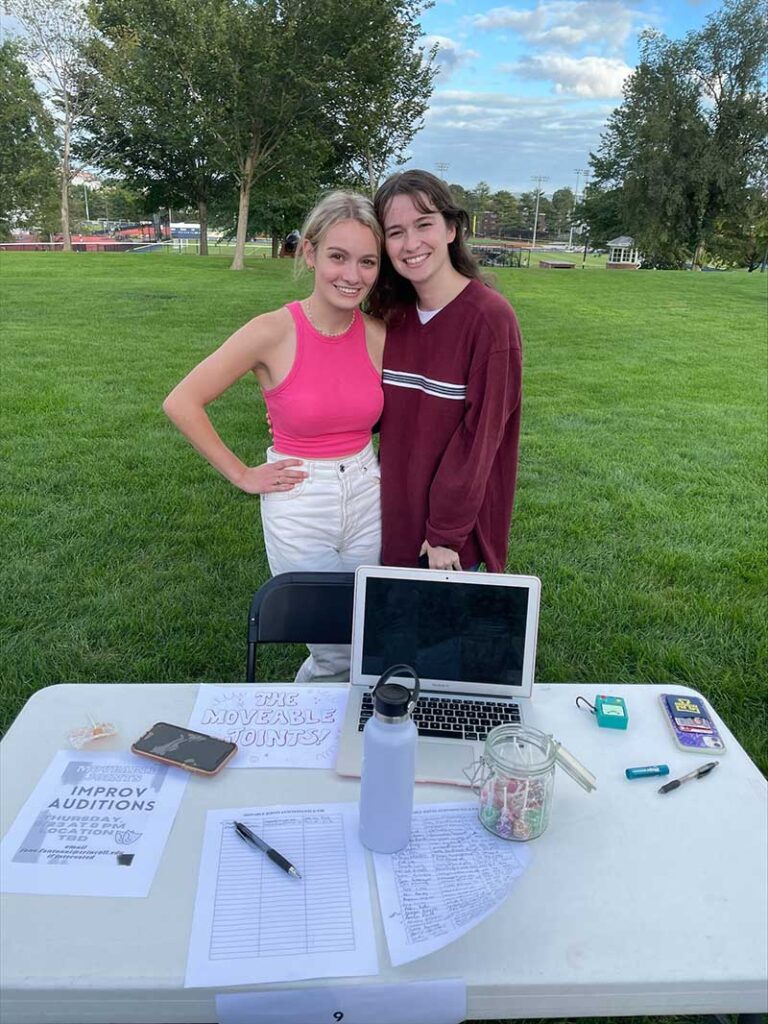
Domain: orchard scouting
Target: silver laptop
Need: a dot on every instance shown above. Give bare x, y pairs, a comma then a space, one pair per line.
470, 636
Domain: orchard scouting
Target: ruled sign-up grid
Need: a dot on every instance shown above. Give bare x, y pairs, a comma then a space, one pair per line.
260, 911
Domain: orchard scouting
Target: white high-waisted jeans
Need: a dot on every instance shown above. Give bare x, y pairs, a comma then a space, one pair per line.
330, 522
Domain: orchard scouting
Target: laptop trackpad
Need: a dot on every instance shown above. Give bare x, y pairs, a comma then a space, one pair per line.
438, 761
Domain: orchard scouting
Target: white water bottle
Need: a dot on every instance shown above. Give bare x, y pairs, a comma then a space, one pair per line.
389, 765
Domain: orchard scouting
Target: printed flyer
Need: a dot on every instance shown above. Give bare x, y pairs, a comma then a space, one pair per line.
274, 726
96, 824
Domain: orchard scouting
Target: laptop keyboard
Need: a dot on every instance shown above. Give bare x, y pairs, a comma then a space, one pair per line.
451, 718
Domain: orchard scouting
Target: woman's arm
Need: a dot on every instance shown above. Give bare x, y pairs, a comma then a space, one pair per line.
459, 485
249, 347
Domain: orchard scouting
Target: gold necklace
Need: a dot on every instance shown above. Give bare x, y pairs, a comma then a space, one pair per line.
327, 334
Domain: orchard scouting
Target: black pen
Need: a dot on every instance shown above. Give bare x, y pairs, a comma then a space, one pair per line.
250, 837
699, 773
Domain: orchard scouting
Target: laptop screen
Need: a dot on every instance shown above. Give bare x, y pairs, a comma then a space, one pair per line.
462, 632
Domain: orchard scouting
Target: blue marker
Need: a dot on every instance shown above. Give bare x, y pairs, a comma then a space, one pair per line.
647, 771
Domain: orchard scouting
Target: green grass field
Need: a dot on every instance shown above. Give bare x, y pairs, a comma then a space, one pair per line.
641, 497
641, 500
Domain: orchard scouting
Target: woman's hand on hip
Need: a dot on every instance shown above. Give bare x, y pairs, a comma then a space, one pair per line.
272, 476
440, 558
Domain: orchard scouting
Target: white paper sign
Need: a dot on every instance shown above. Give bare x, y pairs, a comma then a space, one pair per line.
96, 824
254, 923
451, 876
274, 726
418, 1002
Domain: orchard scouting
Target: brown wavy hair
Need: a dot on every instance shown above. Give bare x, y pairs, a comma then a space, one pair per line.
392, 293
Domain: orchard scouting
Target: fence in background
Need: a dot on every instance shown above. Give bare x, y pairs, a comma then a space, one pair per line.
177, 246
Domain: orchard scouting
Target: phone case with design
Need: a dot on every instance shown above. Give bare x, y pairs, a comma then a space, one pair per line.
691, 724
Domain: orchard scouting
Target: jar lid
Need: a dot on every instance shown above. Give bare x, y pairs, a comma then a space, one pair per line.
391, 700
528, 751
520, 749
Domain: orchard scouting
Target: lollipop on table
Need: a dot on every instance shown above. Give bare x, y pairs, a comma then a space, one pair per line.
85, 734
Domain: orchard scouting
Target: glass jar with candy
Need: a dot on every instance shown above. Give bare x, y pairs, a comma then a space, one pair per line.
516, 778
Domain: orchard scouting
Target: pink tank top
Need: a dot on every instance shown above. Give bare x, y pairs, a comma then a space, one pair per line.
332, 396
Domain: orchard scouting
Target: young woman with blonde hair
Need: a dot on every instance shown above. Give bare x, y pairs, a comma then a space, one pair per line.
318, 362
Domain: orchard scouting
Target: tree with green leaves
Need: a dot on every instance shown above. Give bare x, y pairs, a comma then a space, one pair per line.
505, 205
602, 210
381, 87
461, 195
27, 149
561, 210
254, 90
145, 116
527, 211
56, 33
110, 199
681, 153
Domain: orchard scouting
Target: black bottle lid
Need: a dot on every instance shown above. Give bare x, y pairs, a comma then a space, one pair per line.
391, 700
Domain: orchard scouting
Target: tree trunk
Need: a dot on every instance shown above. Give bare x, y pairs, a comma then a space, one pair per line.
697, 253
202, 216
64, 185
275, 246
373, 183
238, 262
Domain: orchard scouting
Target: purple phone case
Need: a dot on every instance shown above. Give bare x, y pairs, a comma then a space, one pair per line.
691, 723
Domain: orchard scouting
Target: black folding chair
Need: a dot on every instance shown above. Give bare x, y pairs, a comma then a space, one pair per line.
300, 608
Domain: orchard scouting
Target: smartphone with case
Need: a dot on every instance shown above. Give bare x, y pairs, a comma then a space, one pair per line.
193, 751
691, 723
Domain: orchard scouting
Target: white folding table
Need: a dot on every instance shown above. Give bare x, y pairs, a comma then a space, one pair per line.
633, 904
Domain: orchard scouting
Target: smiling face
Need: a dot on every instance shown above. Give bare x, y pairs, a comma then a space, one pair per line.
416, 238
346, 262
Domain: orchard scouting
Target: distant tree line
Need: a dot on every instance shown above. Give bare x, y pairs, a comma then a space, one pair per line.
241, 111
503, 214
683, 164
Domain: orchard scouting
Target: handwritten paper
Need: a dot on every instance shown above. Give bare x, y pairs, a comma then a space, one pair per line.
254, 923
415, 1002
274, 726
96, 824
451, 876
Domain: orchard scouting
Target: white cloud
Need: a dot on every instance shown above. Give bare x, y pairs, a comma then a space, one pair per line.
450, 54
605, 24
587, 77
505, 139
487, 113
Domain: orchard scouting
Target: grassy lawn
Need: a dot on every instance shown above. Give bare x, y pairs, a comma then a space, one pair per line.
641, 500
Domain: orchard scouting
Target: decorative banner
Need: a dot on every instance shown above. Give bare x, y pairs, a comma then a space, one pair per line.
285, 726
96, 824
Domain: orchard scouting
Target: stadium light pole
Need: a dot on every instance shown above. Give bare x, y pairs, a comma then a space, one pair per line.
579, 172
586, 237
538, 179
442, 169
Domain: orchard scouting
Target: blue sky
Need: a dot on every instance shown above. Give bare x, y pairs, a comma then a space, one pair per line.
525, 88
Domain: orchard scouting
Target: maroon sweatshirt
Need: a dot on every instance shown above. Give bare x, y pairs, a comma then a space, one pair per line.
450, 430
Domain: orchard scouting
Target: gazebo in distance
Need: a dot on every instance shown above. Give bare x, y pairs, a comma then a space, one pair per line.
622, 254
